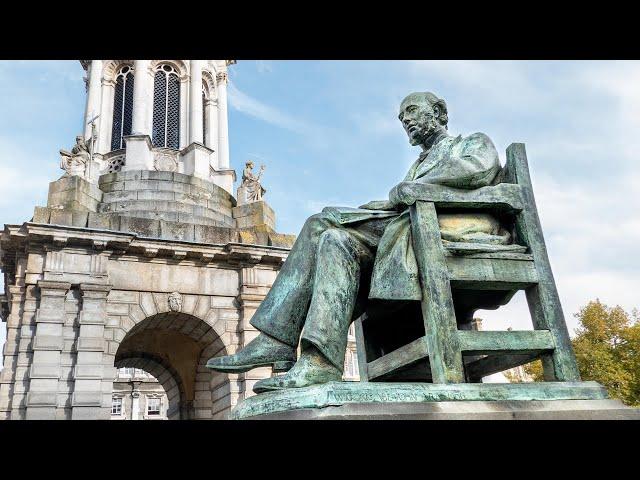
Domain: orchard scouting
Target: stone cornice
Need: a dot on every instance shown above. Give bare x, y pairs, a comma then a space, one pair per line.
30, 236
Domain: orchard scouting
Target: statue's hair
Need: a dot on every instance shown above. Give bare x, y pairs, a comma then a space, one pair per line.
434, 100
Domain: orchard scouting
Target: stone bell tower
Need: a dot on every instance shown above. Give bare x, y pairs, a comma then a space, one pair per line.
142, 257
167, 115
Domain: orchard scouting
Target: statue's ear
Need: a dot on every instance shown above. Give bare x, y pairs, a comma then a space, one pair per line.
440, 112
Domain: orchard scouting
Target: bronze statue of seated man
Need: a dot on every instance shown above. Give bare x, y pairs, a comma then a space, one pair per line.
345, 256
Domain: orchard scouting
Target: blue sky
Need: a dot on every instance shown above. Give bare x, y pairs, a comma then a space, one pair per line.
328, 134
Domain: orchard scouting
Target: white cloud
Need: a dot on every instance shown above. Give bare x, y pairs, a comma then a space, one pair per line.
257, 109
263, 66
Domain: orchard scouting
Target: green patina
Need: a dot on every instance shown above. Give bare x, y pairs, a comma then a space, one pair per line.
341, 393
459, 234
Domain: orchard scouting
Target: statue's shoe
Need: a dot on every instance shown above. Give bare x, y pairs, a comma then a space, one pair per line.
262, 351
310, 369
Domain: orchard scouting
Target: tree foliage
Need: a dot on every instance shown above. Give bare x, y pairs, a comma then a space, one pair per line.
607, 348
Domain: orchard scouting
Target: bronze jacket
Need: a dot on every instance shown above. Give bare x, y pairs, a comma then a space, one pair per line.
468, 163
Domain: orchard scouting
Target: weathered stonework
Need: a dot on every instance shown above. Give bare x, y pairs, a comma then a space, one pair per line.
83, 302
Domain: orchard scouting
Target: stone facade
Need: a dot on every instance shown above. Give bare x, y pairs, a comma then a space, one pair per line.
137, 395
83, 302
141, 259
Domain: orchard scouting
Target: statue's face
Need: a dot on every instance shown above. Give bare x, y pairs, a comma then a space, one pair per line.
418, 118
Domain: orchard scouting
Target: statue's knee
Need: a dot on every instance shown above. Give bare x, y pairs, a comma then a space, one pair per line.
335, 236
319, 221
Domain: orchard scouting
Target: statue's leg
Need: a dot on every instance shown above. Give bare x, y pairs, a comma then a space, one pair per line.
283, 311
281, 314
342, 258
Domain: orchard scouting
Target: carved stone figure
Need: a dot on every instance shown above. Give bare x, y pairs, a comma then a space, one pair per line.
76, 161
175, 302
345, 257
251, 186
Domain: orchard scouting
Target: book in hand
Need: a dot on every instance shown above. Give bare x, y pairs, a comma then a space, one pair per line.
351, 215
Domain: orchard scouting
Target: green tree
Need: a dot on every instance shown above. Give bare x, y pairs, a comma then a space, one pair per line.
607, 348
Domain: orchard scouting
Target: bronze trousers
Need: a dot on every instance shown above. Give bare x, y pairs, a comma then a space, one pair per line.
322, 286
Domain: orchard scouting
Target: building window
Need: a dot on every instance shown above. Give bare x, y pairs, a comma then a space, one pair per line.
153, 406
122, 107
166, 108
116, 406
126, 372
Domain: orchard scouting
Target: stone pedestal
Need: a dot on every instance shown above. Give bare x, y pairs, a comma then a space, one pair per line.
428, 401
258, 215
139, 153
196, 159
224, 178
499, 410
73, 193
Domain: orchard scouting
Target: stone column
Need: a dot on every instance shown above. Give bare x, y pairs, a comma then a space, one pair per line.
142, 99
106, 115
135, 402
16, 332
94, 95
252, 293
48, 342
212, 133
138, 144
195, 102
92, 390
223, 125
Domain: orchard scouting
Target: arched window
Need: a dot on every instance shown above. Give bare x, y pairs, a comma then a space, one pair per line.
122, 107
166, 107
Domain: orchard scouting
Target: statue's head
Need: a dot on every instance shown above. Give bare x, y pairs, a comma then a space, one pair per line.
422, 114
249, 164
79, 139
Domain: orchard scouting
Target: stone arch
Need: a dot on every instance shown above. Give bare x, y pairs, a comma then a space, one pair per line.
209, 79
181, 67
164, 373
111, 68
177, 345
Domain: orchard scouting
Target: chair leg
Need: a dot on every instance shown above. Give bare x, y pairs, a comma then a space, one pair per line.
546, 314
438, 311
543, 298
361, 350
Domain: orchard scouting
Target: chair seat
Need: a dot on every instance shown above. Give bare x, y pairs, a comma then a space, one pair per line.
492, 271
460, 248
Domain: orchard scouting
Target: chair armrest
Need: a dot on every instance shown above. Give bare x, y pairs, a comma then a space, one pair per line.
505, 196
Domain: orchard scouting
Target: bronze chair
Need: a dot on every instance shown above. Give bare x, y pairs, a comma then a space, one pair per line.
432, 340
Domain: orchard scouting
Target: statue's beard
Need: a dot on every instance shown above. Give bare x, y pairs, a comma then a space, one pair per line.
422, 135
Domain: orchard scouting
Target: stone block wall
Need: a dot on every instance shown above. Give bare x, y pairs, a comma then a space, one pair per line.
158, 204
82, 303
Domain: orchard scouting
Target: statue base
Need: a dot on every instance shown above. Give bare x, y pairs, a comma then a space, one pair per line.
428, 401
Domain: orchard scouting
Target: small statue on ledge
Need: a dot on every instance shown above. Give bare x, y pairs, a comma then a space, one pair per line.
251, 190
75, 162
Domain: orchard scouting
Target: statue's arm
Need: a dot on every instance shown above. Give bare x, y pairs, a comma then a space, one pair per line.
378, 205
471, 164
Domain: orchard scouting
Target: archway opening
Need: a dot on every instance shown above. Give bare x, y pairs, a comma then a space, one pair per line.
173, 347
144, 389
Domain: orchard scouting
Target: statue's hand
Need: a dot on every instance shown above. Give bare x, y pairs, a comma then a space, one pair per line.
402, 194
377, 205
